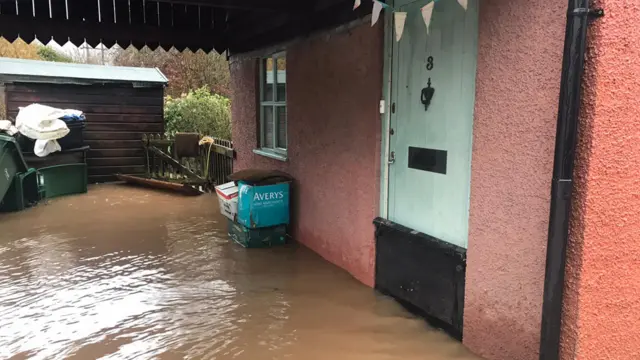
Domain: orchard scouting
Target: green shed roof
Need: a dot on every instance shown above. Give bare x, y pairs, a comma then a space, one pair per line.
19, 70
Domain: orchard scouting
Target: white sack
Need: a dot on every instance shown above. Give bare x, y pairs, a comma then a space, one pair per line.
53, 130
46, 147
72, 112
7, 126
40, 122
36, 113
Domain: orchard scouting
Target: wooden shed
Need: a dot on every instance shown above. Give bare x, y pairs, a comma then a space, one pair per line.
120, 103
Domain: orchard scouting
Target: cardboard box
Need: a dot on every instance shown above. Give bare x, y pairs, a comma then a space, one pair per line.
228, 199
257, 238
264, 205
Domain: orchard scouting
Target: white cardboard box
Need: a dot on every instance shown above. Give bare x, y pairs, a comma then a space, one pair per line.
228, 199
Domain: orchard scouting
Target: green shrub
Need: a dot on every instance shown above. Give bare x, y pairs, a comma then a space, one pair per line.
198, 111
49, 54
3, 109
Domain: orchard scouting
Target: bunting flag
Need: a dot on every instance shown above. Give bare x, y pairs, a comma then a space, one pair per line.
400, 19
400, 16
375, 13
427, 11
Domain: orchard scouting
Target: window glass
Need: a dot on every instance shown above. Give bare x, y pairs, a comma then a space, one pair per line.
268, 125
281, 79
267, 79
281, 112
273, 105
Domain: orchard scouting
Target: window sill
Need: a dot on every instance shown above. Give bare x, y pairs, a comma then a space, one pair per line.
270, 154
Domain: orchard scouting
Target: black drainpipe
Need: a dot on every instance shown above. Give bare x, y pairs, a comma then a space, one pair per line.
562, 183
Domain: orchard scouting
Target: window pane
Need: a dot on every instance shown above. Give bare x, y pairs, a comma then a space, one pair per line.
267, 79
282, 79
282, 126
267, 124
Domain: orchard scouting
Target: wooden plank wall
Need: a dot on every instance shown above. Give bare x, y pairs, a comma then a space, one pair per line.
117, 116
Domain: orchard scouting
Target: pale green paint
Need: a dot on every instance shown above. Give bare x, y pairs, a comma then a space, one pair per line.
432, 203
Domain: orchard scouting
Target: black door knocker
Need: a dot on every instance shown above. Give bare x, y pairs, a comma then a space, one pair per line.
426, 95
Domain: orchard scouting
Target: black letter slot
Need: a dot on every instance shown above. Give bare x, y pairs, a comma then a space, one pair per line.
428, 160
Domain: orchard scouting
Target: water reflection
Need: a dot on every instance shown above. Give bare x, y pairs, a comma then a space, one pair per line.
130, 274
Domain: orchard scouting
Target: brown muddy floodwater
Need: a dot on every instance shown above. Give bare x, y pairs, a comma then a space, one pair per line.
123, 273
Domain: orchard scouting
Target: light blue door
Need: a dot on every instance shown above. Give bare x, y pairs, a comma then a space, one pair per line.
430, 142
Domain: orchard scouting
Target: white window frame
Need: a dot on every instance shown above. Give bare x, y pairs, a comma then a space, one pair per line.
274, 152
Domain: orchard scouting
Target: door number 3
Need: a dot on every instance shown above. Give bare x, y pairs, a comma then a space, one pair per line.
430, 63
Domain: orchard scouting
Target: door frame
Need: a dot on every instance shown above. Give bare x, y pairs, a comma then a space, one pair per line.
385, 116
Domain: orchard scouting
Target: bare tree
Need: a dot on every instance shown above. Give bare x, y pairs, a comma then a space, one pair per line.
186, 70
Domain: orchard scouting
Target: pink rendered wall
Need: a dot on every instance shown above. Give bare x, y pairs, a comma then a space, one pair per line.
602, 288
518, 80
334, 85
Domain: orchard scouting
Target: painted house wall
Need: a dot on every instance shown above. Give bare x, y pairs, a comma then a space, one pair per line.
333, 91
518, 80
602, 288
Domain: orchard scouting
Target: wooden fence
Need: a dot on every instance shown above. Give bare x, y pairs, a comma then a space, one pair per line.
211, 167
221, 160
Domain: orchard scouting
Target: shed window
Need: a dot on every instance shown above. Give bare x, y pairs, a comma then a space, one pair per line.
273, 104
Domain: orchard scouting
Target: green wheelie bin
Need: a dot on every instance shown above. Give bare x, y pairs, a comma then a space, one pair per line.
11, 163
16, 179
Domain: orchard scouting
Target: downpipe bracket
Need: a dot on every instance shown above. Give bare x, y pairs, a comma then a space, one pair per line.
596, 13
591, 13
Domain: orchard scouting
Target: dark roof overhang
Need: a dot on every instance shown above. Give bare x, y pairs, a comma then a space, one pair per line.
222, 25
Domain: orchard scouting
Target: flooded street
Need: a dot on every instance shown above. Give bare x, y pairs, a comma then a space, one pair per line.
125, 273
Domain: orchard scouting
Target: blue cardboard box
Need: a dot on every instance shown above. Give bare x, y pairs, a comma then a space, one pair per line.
257, 238
263, 206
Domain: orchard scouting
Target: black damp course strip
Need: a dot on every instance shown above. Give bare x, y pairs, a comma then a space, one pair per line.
431, 160
424, 274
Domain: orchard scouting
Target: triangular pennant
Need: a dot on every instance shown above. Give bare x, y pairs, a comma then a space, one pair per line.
463, 3
400, 18
426, 11
375, 13
356, 4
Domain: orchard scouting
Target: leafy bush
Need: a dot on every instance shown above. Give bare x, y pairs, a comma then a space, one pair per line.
3, 109
198, 111
49, 54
